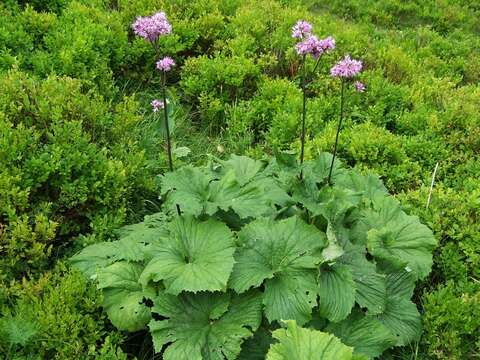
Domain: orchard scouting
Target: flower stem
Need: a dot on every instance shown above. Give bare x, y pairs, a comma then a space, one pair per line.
338, 132
316, 65
304, 113
167, 129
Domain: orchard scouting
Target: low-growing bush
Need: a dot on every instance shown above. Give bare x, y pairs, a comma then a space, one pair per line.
69, 164
272, 114
86, 43
367, 146
55, 317
55, 6
453, 216
452, 321
213, 82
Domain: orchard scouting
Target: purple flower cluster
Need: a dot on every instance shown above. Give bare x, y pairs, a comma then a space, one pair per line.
165, 64
327, 44
309, 43
301, 29
315, 47
156, 105
307, 46
359, 86
346, 68
152, 27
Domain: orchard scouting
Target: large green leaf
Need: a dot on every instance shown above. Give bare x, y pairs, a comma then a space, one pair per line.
319, 168
335, 205
400, 283
394, 238
336, 292
401, 317
94, 257
239, 187
244, 168
291, 295
204, 325
371, 286
189, 187
403, 240
267, 247
124, 296
247, 201
194, 256
132, 246
369, 185
296, 343
284, 254
366, 334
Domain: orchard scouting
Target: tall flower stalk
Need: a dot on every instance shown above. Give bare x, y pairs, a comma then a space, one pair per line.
304, 114
165, 65
309, 45
151, 28
342, 102
346, 69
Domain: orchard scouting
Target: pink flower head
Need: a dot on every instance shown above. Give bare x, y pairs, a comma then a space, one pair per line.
327, 44
152, 27
359, 86
315, 47
165, 64
346, 68
301, 29
308, 46
156, 105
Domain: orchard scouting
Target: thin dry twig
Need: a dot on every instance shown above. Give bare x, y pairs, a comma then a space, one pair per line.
431, 185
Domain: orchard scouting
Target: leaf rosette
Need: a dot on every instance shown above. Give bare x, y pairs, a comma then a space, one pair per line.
256, 248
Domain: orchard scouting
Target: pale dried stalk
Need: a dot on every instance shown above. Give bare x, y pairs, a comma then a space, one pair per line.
431, 185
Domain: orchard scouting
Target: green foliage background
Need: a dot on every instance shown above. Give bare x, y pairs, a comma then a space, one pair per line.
79, 149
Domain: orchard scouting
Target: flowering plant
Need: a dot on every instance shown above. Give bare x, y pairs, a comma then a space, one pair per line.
346, 69
310, 45
255, 247
151, 28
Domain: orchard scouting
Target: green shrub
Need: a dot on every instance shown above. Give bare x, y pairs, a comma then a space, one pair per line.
367, 146
68, 165
56, 317
212, 82
452, 216
272, 114
55, 6
451, 299
86, 43
452, 321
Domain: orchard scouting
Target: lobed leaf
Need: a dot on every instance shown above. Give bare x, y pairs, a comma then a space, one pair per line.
298, 343
204, 325
124, 296
194, 256
336, 292
366, 334
283, 254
